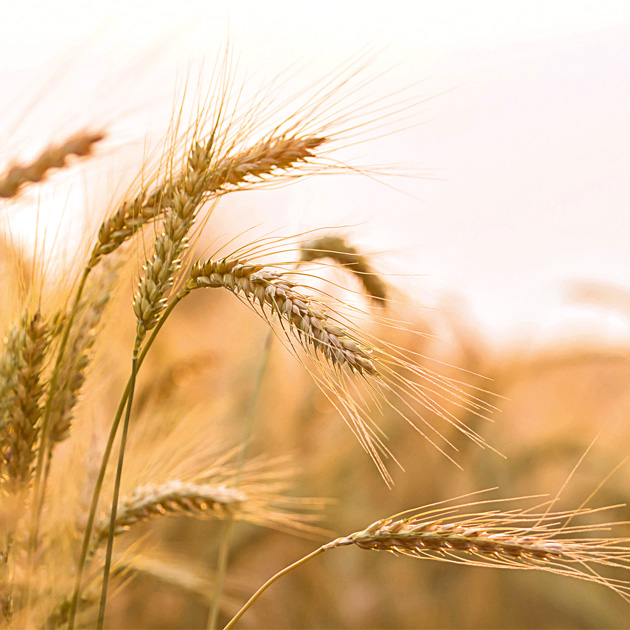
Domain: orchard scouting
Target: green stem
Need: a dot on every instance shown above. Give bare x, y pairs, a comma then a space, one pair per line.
226, 534
85, 547
44, 437
119, 469
268, 583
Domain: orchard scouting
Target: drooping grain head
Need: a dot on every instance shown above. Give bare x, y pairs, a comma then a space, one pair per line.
323, 332
348, 257
306, 318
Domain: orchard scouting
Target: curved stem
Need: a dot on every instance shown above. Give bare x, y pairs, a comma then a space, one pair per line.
268, 583
114, 510
85, 546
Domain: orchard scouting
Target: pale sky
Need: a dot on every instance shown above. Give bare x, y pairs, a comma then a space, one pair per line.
530, 135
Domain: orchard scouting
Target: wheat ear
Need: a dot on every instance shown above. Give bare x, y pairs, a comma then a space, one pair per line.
175, 497
277, 153
336, 248
149, 302
26, 346
318, 330
53, 157
75, 361
21, 370
508, 540
210, 176
488, 538
305, 316
518, 539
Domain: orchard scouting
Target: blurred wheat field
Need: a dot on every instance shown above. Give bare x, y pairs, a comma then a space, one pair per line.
199, 489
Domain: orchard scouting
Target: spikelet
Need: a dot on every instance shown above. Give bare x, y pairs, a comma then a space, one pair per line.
53, 157
336, 248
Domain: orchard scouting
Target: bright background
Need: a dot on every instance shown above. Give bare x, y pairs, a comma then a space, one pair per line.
528, 135
527, 138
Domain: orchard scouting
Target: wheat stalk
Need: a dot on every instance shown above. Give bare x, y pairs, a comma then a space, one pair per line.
149, 301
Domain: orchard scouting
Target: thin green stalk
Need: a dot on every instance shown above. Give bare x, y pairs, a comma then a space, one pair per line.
268, 583
226, 534
44, 436
112, 520
85, 546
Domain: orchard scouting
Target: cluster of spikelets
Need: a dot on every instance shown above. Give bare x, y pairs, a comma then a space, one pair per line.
302, 314
46, 358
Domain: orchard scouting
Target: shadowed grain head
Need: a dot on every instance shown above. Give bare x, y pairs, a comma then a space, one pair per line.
76, 359
17, 176
349, 258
